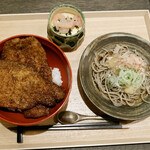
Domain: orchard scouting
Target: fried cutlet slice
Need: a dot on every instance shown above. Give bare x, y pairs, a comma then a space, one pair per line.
37, 112
28, 51
40, 110
21, 88
59, 92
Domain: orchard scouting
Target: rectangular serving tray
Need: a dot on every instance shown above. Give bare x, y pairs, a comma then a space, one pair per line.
97, 23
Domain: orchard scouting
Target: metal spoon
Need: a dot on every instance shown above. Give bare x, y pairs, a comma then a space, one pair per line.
69, 117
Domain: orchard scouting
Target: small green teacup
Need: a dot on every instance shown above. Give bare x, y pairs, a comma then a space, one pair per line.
66, 27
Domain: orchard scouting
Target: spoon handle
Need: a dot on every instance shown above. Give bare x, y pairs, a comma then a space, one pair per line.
82, 117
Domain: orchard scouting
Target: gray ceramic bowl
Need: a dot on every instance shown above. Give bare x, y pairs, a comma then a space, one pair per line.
106, 106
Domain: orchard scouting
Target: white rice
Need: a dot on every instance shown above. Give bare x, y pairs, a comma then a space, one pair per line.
56, 76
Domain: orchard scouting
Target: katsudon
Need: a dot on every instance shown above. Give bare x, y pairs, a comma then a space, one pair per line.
25, 72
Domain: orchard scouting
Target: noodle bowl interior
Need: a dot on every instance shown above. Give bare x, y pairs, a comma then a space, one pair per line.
121, 74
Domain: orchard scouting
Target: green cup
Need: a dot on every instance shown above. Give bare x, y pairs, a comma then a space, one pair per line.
73, 35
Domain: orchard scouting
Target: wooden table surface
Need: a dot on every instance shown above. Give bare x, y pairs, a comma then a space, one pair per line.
39, 6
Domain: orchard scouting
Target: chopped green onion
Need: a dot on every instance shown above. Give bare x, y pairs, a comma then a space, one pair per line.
69, 32
128, 79
55, 29
76, 26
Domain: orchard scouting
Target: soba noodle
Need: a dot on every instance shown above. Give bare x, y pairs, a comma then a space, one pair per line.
121, 75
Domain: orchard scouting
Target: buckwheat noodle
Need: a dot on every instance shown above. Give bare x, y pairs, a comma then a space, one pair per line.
101, 71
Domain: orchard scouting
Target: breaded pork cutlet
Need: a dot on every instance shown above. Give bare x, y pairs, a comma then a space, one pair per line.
37, 112
29, 51
22, 88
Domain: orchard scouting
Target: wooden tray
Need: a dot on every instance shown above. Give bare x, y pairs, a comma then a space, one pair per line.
97, 23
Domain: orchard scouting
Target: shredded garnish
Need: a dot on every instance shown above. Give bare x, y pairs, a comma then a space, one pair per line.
127, 79
127, 59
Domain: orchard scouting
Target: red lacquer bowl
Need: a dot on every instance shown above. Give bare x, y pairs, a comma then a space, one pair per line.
56, 58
